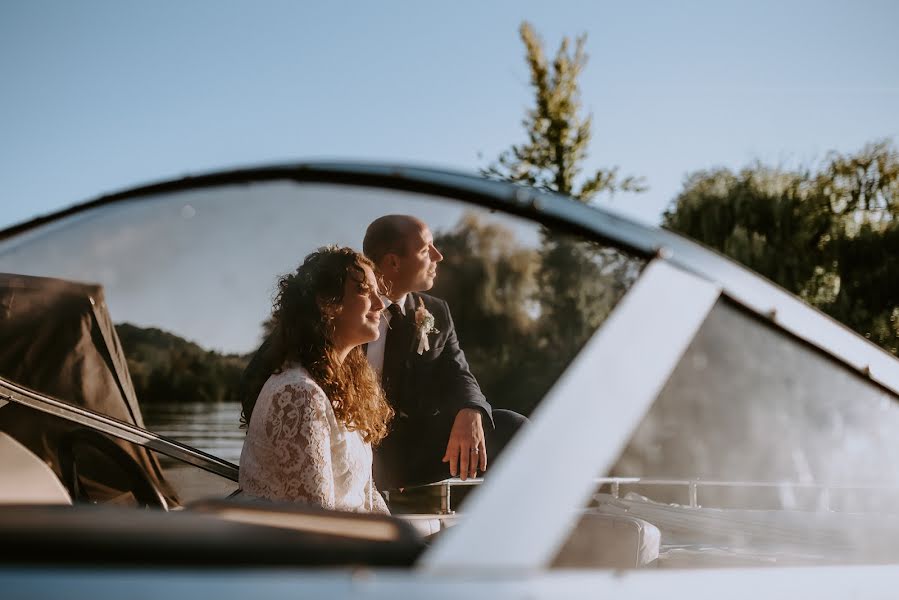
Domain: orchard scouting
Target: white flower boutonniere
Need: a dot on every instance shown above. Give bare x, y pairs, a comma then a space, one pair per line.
424, 326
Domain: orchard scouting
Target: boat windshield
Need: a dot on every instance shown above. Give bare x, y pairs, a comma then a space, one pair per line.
754, 447
762, 451
186, 280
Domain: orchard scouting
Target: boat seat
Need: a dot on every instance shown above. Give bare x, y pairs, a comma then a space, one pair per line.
29, 480
427, 525
602, 541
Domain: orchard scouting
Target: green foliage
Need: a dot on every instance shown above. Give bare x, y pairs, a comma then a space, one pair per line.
167, 368
558, 135
578, 282
865, 185
519, 332
827, 236
769, 220
489, 281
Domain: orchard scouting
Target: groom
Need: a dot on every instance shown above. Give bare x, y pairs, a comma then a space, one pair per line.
444, 425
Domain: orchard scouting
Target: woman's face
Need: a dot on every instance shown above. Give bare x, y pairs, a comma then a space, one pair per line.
357, 319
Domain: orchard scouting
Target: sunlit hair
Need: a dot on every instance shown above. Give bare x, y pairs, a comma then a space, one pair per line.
303, 331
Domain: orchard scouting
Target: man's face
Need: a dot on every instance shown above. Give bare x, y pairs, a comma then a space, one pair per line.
415, 270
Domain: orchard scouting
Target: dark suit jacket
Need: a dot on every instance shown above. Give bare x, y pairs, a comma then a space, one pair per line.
426, 391
437, 382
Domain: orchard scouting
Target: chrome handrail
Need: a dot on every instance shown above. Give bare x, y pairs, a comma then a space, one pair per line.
694, 484
445, 490
12, 392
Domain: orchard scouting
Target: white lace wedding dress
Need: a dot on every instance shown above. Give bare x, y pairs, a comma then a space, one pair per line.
296, 450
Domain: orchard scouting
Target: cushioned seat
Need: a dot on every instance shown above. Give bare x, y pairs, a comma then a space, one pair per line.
601, 541
427, 525
28, 479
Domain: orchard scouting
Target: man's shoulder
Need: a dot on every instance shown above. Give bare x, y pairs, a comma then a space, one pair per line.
431, 301
436, 306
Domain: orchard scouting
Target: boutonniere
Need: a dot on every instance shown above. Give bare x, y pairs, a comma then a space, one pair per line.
424, 325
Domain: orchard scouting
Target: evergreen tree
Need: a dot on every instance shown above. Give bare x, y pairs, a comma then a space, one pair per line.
579, 282
558, 134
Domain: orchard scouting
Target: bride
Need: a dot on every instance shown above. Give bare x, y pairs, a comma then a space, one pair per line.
311, 430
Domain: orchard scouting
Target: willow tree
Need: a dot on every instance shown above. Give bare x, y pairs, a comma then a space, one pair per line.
826, 234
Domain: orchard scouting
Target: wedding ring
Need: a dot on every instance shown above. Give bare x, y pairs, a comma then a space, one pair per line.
475, 450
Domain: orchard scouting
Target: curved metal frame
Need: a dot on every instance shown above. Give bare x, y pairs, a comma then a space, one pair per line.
741, 285
13, 392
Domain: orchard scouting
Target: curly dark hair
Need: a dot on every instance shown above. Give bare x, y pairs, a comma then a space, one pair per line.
303, 332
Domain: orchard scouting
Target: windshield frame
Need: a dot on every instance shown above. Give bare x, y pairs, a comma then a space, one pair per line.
585, 436
703, 277
738, 283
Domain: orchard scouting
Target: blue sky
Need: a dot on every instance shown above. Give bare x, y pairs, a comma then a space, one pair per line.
99, 96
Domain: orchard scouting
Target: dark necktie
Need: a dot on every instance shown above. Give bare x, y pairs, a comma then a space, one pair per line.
395, 312
394, 351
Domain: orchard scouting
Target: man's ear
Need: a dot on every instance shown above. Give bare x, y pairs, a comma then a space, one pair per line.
390, 263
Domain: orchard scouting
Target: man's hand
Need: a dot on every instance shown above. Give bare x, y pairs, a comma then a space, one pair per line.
466, 451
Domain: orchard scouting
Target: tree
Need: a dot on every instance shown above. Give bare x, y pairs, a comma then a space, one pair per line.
489, 280
167, 368
863, 192
774, 222
820, 234
558, 135
578, 281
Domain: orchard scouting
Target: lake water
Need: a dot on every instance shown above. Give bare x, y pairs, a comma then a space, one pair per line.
212, 428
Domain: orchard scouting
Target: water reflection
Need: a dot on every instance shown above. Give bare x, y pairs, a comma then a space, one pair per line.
210, 427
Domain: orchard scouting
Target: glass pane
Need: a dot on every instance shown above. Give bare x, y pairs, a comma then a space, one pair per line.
105, 478
213, 427
191, 483
761, 450
184, 282
101, 469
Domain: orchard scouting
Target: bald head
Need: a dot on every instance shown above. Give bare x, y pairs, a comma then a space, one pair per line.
390, 234
403, 249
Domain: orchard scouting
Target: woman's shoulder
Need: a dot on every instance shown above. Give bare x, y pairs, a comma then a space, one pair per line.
295, 378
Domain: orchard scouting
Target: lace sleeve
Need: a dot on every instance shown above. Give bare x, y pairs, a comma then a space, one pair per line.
298, 428
378, 506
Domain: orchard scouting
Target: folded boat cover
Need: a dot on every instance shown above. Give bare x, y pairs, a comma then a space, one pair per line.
57, 338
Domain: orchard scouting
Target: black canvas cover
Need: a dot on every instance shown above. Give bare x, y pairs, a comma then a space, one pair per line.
57, 338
